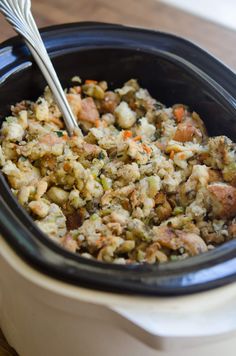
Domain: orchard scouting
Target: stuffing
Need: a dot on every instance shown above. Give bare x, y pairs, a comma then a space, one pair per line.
129, 172
57, 195
124, 115
54, 223
144, 129
223, 200
2, 157
41, 109
75, 103
12, 130
136, 183
88, 111
39, 208
109, 103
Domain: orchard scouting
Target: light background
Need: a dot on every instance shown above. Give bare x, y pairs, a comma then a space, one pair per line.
222, 12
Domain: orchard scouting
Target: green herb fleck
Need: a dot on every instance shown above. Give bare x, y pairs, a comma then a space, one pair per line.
105, 183
101, 155
105, 212
59, 133
178, 210
94, 217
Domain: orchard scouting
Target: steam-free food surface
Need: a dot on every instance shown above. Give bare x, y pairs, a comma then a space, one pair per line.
136, 183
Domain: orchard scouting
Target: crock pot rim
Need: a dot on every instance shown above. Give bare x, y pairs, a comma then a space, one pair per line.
172, 277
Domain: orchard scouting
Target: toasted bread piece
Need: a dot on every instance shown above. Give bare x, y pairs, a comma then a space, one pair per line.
223, 200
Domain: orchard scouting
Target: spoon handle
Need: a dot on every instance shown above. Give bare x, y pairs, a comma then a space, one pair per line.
18, 14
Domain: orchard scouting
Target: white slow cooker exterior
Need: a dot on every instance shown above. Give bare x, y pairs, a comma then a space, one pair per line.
42, 316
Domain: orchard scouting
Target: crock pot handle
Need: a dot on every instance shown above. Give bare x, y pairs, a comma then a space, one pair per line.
171, 330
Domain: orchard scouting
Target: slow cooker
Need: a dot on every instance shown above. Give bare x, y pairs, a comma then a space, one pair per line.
53, 302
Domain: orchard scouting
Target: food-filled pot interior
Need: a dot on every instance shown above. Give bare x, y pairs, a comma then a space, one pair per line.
170, 78
167, 80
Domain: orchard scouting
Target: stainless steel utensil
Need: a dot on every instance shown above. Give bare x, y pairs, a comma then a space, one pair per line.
18, 14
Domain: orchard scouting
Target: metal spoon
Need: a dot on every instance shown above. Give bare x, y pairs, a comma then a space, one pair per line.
18, 14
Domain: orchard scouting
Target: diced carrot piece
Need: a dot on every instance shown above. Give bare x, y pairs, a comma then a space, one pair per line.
138, 138
97, 123
179, 114
100, 241
172, 154
67, 166
146, 148
90, 81
65, 137
127, 134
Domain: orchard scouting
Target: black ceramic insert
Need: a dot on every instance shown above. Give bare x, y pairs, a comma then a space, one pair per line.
174, 70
